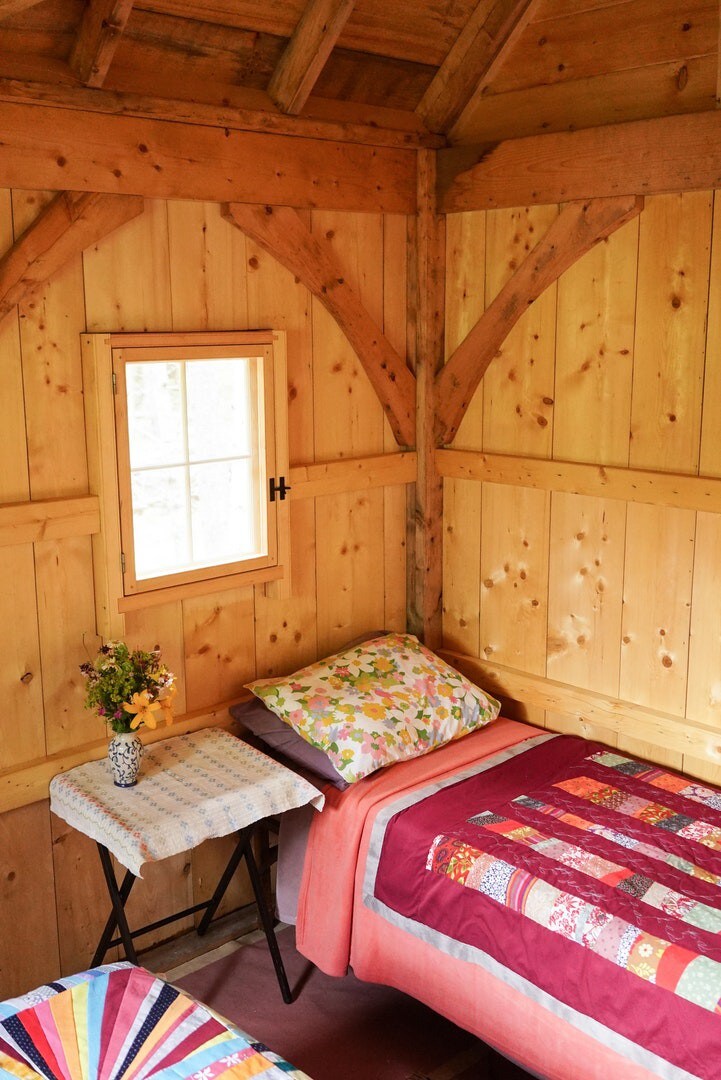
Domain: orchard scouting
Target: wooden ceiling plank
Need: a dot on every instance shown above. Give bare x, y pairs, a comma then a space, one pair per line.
718, 61
481, 48
61, 149
575, 231
70, 223
666, 154
280, 231
14, 7
248, 110
304, 58
98, 37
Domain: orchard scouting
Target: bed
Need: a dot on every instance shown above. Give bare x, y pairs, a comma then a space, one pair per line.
558, 899
119, 1020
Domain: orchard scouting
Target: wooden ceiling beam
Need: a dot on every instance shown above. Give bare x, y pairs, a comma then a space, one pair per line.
578, 228
14, 7
72, 222
304, 58
246, 110
646, 157
98, 37
479, 51
61, 149
280, 231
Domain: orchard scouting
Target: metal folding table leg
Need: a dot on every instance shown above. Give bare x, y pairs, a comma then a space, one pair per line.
118, 896
266, 916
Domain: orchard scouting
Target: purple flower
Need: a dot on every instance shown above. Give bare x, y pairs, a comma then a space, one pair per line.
101, 710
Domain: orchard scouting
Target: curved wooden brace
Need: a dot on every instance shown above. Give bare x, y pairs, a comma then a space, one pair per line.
578, 227
281, 232
69, 224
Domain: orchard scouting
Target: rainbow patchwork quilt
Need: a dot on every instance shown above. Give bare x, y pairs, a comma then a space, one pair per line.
587, 879
119, 1022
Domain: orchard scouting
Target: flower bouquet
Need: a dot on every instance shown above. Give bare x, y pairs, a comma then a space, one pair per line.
128, 689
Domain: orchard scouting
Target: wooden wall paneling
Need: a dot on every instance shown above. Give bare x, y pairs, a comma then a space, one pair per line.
514, 576
28, 928
594, 352
641, 748
127, 279
349, 553
704, 769
395, 328
22, 728
166, 887
14, 484
710, 461
518, 393
465, 303
657, 600
81, 896
703, 700
161, 625
207, 269
219, 646
566, 724
349, 421
673, 284
585, 591
285, 628
461, 565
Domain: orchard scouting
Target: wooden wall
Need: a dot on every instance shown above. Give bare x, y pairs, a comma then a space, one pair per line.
592, 594
177, 267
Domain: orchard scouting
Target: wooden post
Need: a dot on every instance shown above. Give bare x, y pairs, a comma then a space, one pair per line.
427, 284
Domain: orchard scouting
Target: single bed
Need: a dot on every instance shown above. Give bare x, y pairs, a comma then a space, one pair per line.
558, 899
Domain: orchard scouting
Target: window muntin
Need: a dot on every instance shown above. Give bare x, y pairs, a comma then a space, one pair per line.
195, 433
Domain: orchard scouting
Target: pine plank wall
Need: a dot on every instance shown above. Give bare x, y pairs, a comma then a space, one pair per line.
177, 267
589, 613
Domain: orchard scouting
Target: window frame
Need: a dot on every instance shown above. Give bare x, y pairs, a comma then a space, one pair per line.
117, 590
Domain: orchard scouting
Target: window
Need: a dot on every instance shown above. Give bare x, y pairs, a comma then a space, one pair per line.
198, 461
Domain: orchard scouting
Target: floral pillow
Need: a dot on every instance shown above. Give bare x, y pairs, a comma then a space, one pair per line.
385, 700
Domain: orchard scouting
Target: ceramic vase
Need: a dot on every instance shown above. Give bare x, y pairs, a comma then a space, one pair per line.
124, 753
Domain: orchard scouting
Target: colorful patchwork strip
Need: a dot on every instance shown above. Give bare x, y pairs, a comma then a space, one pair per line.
630, 842
690, 975
614, 874
658, 778
634, 806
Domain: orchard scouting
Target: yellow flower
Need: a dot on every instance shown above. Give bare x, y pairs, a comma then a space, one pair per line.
166, 703
143, 708
376, 712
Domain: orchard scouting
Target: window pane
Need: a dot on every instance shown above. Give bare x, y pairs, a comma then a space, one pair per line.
220, 422
161, 522
224, 503
155, 413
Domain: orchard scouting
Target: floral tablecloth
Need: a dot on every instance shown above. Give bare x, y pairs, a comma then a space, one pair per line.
191, 788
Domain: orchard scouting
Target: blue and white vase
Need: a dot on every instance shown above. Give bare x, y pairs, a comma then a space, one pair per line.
124, 753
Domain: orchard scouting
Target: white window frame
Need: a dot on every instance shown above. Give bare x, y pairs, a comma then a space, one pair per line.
117, 589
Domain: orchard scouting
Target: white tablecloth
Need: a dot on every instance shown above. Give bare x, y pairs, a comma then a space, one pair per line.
191, 788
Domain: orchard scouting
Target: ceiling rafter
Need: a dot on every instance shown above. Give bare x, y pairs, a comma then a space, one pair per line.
70, 223
281, 232
578, 227
14, 7
480, 49
304, 58
98, 37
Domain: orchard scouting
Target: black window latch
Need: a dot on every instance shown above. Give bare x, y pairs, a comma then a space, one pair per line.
280, 489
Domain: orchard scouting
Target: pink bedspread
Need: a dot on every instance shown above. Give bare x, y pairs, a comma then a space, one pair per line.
335, 930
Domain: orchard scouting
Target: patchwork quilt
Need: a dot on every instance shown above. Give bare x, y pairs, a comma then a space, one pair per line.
587, 879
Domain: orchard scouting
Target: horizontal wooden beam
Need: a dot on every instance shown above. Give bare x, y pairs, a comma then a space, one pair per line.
641, 157
245, 110
29, 784
62, 149
281, 232
657, 728
673, 490
476, 56
70, 223
354, 474
99, 35
48, 519
14, 7
578, 228
298, 69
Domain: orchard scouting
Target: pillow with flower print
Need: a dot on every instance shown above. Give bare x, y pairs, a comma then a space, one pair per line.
383, 701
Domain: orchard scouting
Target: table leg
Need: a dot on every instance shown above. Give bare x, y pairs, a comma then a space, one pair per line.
118, 896
266, 916
220, 888
107, 934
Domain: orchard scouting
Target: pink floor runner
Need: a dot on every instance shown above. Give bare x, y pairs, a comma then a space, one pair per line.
341, 1029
